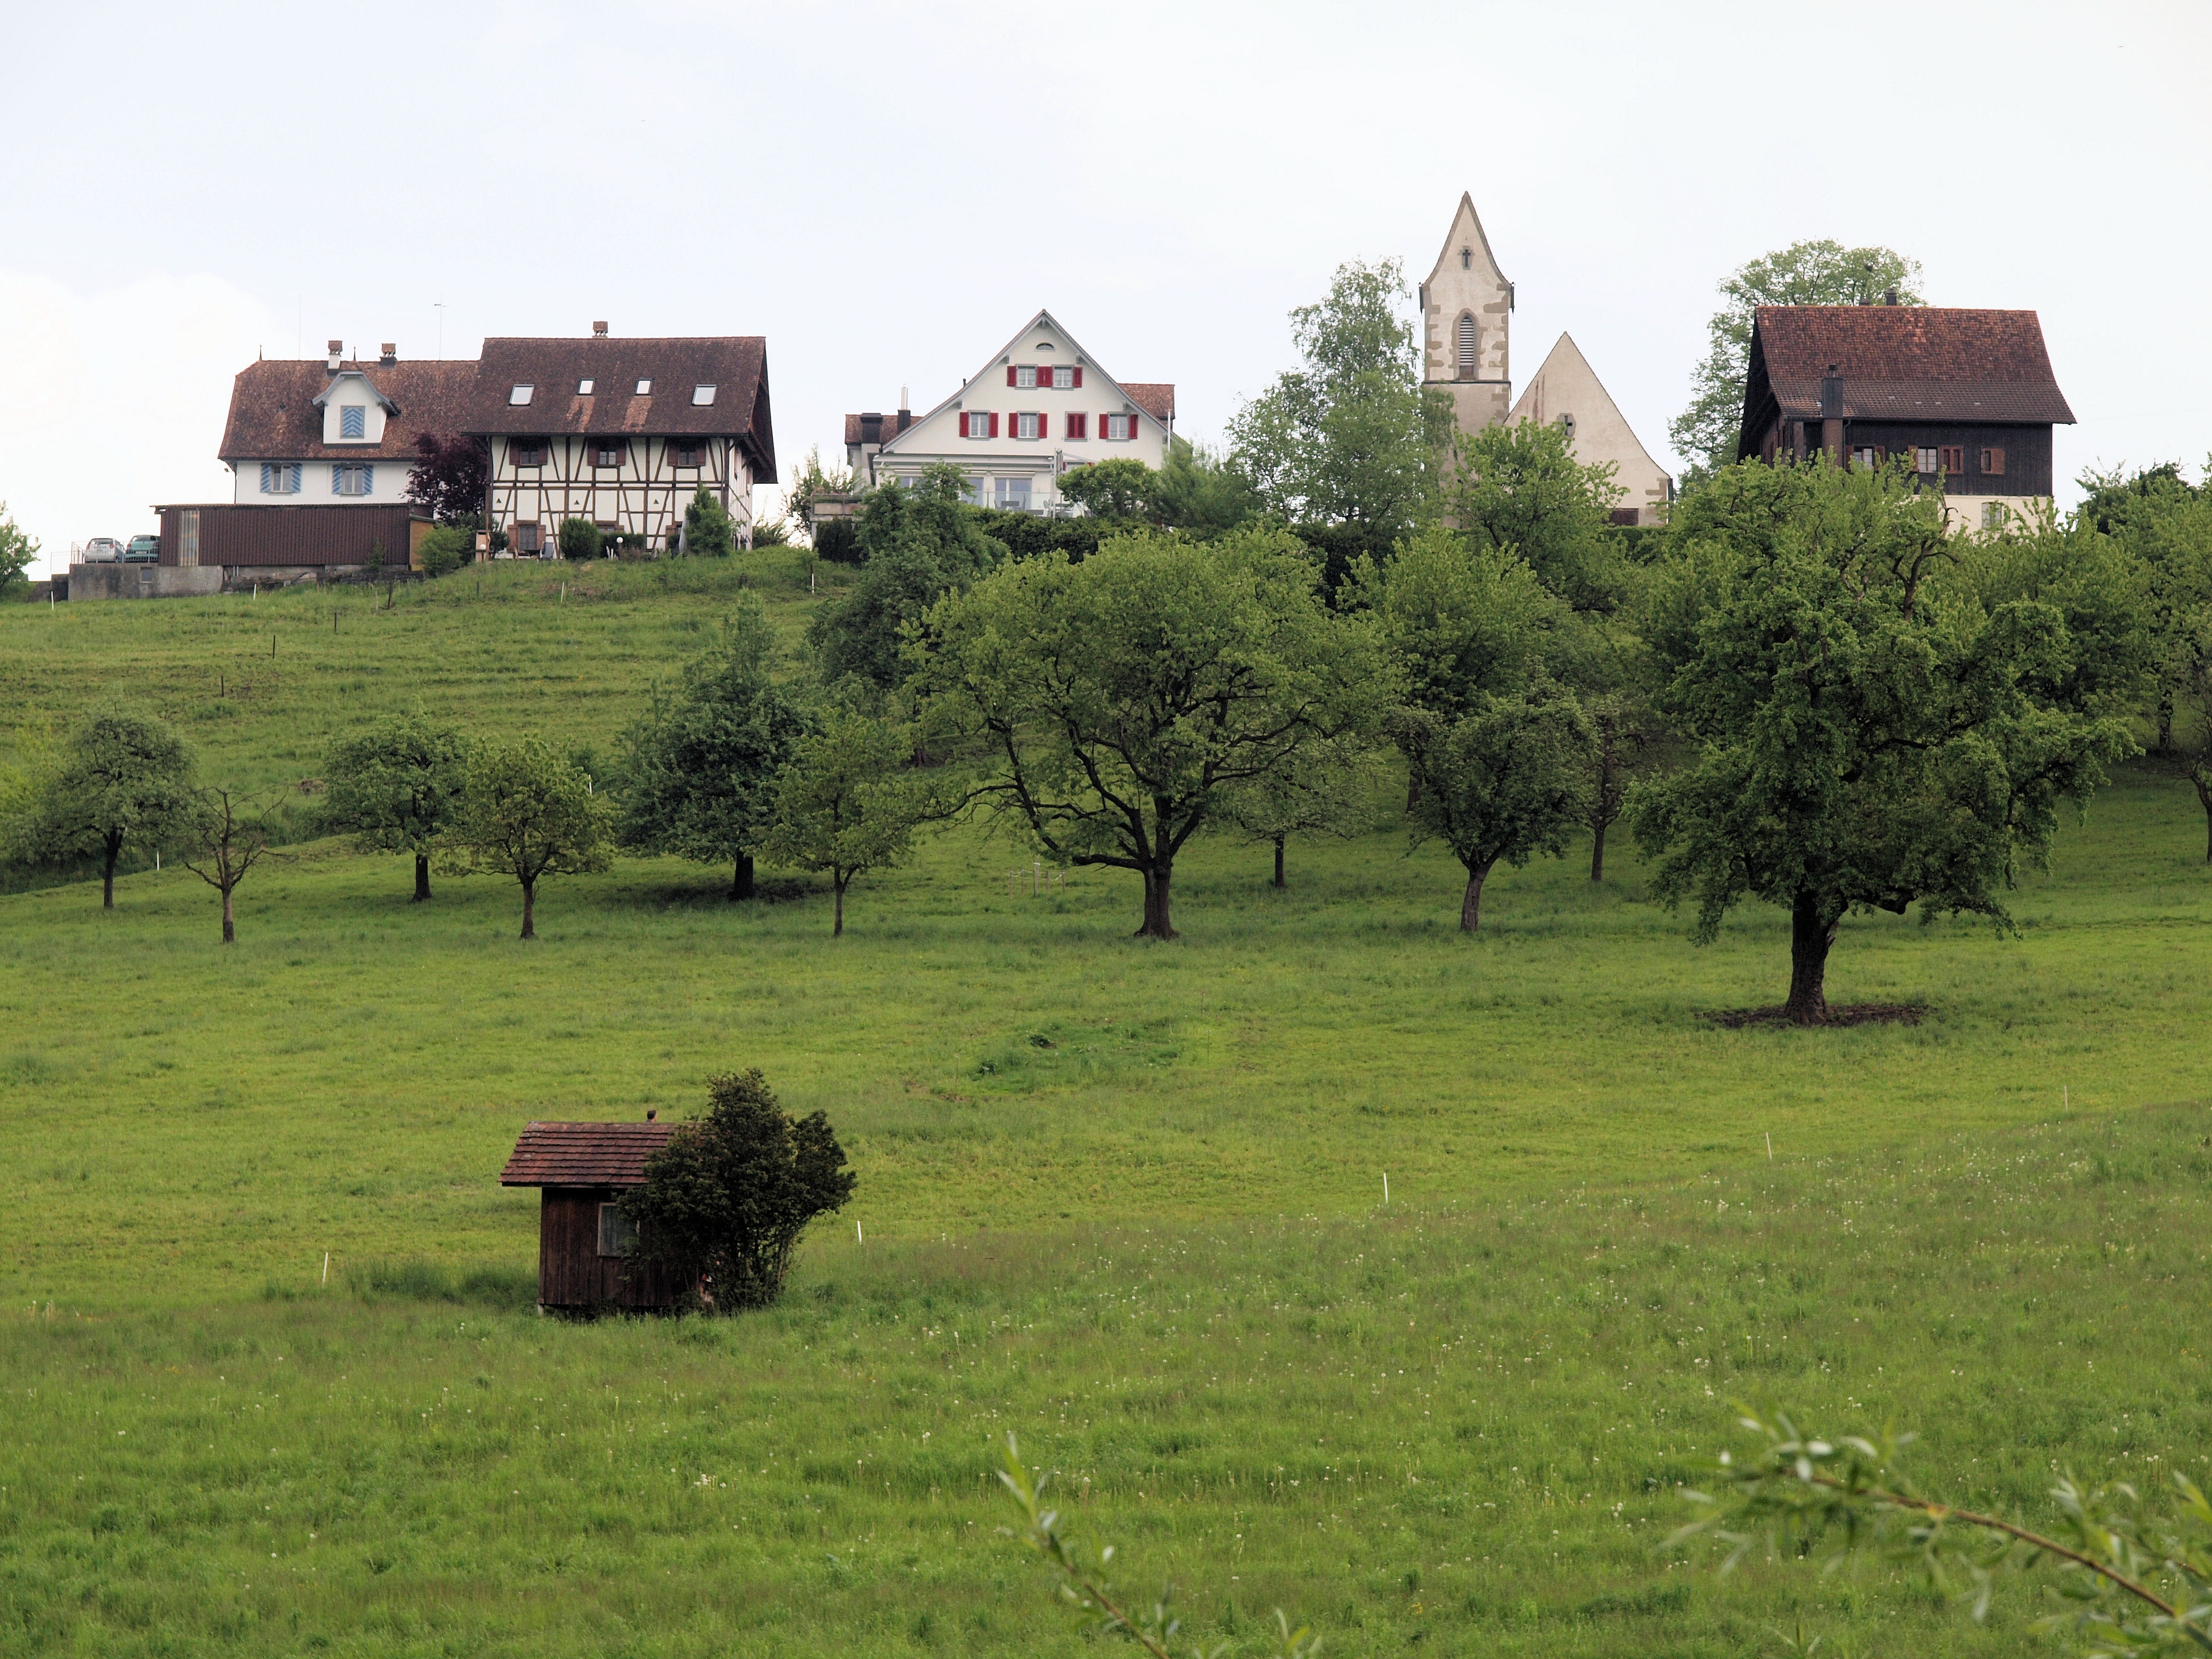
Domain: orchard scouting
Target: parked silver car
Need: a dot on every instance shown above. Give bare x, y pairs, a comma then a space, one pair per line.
102, 550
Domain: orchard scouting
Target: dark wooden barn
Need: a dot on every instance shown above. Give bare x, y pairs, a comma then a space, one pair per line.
585, 1246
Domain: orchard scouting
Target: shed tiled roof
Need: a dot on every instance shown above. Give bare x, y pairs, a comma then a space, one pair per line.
584, 1154
1908, 363
273, 415
1155, 397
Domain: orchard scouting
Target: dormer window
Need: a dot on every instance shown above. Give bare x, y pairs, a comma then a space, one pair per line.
521, 395
644, 389
702, 396
584, 388
353, 421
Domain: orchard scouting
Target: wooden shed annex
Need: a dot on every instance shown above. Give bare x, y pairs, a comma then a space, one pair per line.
585, 1245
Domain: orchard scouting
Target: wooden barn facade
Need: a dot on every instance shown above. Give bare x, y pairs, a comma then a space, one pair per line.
585, 1249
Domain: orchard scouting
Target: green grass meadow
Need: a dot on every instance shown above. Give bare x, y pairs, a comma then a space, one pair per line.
1124, 1199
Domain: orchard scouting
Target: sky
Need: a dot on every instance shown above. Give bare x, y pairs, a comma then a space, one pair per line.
888, 192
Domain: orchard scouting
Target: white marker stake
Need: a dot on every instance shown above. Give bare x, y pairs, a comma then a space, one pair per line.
327, 1267
859, 1236
1386, 1189
1770, 1148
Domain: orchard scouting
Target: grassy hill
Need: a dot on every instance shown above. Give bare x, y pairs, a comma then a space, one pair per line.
1126, 1199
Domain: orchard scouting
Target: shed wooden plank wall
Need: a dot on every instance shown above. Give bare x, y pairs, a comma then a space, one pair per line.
239, 535
571, 1272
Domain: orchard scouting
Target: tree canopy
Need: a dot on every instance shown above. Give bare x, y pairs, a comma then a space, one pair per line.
1519, 488
450, 481
846, 802
528, 813
396, 788
1871, 732
1120, 488
920, 542
1121, 699
122, 780
18, 551
699, 769
1811, 273
1350, 436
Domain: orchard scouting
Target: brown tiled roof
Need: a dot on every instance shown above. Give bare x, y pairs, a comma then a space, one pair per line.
273, 415
1907, 362
1155, 397
891, 427
584, 1154
735, 364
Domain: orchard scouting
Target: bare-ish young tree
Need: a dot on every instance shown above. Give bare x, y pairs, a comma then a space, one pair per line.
227, 833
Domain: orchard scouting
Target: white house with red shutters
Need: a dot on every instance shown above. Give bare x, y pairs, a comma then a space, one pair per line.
1038, 409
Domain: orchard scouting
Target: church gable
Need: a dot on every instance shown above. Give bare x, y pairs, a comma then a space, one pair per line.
1566, 391
1466, 306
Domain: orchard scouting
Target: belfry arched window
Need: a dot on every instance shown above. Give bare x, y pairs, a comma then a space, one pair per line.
1469, 342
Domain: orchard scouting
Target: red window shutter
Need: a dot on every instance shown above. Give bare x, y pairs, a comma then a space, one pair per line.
1078, 377
964, 425
994, 425
1009, 373
1044, 426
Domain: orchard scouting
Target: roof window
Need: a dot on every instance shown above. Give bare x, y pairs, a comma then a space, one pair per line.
584, 388
702, 396
520, 395
644, 389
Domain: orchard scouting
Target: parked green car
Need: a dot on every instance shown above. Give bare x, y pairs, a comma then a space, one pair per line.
143, 549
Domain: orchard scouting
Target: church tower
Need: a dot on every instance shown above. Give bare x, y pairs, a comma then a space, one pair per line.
1467, 312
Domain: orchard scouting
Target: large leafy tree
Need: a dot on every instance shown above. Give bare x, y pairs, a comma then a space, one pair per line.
1494, 743
1350, 436
1123, 488
396, 788
920, 542
1813, 273
1871, 734
123, 779
528, 813
699, 771
1521, 489
1202, 491
1122, 699
725, 1201
449, 482
18, 551
846, 804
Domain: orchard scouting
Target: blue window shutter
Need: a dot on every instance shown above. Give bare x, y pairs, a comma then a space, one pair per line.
337, 481
368, 481
292, 485
350, 420
267, 471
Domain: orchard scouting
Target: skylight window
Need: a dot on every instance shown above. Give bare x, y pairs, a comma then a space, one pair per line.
702, 396
645, 388
584, 388
520, 395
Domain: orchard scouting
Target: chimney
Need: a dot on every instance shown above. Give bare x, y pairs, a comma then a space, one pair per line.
598, 331
905, 411
387, 354
872, 428
1832, 394
338, 355
1891, 299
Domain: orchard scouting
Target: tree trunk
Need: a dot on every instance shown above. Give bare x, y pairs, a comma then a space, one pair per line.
1597, 853
1278, 861
229, 921
1412, 789
2164, 723
107, 875
422, 879
1470, 904
741, 878
838, 879
1157, 922
529, 910
1810, 935
2203, 779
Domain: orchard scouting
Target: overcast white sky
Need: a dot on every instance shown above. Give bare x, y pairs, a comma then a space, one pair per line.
886, 192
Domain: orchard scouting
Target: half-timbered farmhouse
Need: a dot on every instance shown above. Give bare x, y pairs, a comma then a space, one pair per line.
585, 1249
1040, 407
1969, 395
622, 432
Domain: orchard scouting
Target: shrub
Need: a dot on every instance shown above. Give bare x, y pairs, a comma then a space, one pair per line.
725, 1202
706, 530
839, 541
447, 548
579, 538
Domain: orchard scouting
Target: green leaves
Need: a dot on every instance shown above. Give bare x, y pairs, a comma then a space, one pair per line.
847, 804
529, 813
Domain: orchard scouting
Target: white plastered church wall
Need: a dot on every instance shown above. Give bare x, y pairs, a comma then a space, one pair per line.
1567, 387
1467, 314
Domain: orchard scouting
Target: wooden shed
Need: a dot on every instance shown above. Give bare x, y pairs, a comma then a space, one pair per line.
585, 1245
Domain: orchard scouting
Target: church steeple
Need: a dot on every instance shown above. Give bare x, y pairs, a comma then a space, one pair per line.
1467, 314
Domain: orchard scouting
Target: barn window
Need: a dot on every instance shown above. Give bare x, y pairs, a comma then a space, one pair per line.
1995, 515
609, 454
1924, 460
1993, 462
525, 536
353, 421
1954, 458
617, 1237
1469, 339
690, 454
1866, 456
527, 452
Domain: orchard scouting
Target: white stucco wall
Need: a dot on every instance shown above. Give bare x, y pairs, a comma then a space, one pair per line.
348, 390
1465, 281
935, 437
1567, 385
387, 483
